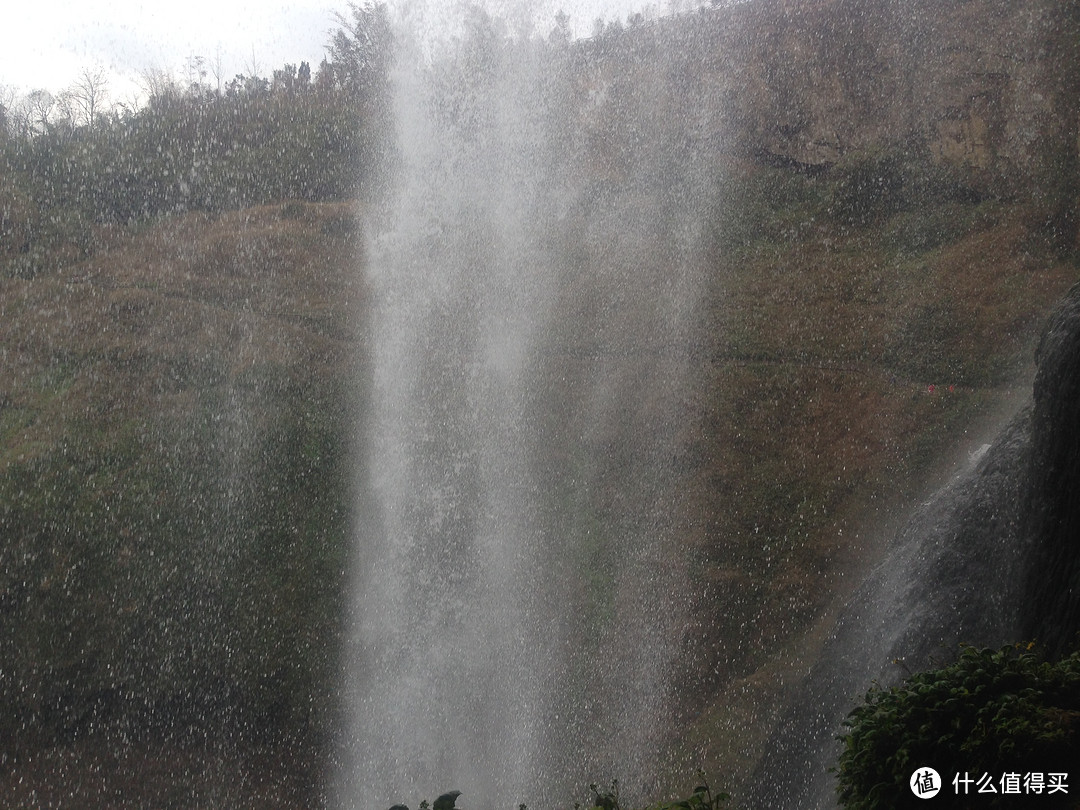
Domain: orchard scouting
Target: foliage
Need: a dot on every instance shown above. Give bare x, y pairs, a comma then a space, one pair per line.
607, 798
868, 187
318, 137
117, 570
990, 711
361, 52
174, 517
702, 798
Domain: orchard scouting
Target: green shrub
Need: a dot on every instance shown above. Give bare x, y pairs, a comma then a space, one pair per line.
990, 712
701, 799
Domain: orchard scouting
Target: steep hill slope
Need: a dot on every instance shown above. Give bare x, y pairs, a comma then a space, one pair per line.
177, 408
174, 498
178, 413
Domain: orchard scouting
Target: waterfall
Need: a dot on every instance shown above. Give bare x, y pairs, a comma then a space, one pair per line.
516, 600
955, 573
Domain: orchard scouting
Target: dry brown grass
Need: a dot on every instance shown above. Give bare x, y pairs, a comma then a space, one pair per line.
135, 381
189, 302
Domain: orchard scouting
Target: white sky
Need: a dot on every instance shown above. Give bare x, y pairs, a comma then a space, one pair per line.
46, 44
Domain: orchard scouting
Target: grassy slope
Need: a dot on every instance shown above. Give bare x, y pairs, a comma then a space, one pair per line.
848, 363
174, 428
174, 478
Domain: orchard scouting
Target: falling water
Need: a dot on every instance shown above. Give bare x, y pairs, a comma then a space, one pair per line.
516, 598
953, 575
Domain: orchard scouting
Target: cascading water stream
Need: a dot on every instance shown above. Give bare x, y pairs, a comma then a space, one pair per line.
953, 575
516, 599
971, 566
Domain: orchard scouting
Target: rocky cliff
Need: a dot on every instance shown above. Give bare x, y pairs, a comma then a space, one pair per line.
987, 89
1050, 609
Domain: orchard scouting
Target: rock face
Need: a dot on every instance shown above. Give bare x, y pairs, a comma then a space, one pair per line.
991, 558
951, 577
979, 96
1051, 608
979, 83
984, 88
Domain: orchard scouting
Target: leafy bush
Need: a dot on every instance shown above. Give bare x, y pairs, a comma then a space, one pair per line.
701, 799
606, 798
990, 712
870, 185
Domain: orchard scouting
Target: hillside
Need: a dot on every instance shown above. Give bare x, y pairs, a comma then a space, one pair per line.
850, 367
176, 428
180, 397
175, 433
895, 212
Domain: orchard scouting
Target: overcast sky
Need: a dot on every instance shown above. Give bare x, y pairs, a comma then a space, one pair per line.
47, 43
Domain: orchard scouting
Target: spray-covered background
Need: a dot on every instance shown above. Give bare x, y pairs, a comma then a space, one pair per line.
689, 310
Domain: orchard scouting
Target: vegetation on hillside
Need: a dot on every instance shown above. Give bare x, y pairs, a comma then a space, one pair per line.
849, 358
175, 429
181, 311
999, 723
68, 170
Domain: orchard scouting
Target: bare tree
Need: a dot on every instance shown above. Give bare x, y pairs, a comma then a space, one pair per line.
88, 94
159, 85
8, 100
217, 68
68, 110
20, 119
253, 66
195, 74
40, 104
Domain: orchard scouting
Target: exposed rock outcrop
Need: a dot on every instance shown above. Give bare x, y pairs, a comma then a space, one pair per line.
1051, 607
987, 90
986, 85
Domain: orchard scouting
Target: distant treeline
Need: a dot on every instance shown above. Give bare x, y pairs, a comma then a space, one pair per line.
69, 163
73, 162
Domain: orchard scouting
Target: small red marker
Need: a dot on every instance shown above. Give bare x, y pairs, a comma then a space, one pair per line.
930, 388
